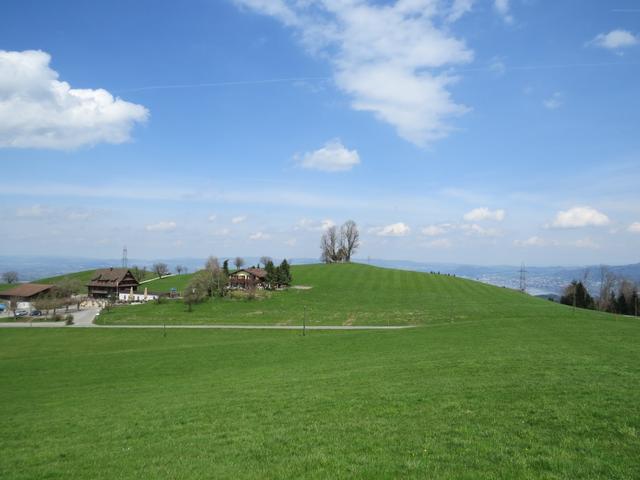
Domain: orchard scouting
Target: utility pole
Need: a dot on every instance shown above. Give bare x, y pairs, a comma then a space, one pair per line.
523, 279
304, 322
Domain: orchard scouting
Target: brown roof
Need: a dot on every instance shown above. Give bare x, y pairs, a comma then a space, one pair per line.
108, 277
26, 290
256, 272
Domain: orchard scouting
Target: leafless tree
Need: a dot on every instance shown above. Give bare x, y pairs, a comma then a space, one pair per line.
238, 262
160, 269
349, 239
212, 264
10, 277
339, 246
607, 285
329, 245
264, 260
179, 269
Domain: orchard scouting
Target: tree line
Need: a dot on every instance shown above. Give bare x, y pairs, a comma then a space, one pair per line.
616, 295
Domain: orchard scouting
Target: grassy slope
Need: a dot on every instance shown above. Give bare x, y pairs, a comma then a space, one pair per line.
349, 294
508, 398
162, 285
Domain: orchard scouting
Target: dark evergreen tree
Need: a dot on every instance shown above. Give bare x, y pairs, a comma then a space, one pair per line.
272, 277
284, 273
621, 305
577, 295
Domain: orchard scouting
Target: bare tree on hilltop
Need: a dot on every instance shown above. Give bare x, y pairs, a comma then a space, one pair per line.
160, 269
10, 277
340, 246
238, 262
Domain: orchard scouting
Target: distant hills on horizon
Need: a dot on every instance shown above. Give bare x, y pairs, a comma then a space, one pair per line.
539, 280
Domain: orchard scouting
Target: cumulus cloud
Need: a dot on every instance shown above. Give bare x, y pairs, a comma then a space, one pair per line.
161, 227
212, 218
259, 236
333, 157
534, 242
504, 9
580, 217
634, 227
394, 230
615, 40
477, 230
388, 58
313, 225
39, 111
238, 219
554, 102
459, 8
483, 213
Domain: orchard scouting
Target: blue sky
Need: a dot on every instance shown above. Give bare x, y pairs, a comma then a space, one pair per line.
470, 131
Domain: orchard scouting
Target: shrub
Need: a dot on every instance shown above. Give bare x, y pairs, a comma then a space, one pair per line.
68, 320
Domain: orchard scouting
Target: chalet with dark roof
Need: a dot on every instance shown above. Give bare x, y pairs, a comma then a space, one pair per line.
110, 282
247, 277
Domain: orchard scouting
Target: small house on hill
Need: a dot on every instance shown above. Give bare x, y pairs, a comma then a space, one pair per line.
26, 292
248, 277
109, 282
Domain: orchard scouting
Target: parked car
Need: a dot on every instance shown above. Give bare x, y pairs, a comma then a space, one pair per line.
21, 313
35, 313
2, 307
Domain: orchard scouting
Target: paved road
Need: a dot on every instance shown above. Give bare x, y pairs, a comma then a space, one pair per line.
84, 319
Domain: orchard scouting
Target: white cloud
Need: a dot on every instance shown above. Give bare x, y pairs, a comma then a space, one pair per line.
388, 58
580, 217
435, 230
634, 227
394, 230
313, 225
259, 236
459, 8
39, 111
34, 211
477, 230
161, 227
333, 157
554, 102
483, 213
291, 242
238, 219
78, 216
212, 218
504, 9
534, 242
615, 40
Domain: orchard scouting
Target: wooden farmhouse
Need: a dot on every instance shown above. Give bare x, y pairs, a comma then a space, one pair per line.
110, 282
248, 277
27, 292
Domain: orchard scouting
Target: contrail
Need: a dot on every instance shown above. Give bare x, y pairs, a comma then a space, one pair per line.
222, 84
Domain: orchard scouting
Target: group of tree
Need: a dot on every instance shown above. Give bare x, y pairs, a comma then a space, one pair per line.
279, 276
338, 245
576, 294
207, 283
140, 273
161, 269
615, 296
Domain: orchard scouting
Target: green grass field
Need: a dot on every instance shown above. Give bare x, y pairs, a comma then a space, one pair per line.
346, 294
501, 386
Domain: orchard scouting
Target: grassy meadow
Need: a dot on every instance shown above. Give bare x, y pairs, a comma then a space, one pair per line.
345, 294
492, 384
504, 398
